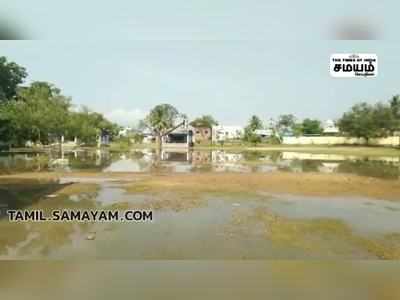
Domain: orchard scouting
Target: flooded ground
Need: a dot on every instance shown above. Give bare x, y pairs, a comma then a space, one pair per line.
103, 280
206, 206
145, 160
214, 213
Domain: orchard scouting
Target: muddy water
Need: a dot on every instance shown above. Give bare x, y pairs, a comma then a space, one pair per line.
202, 161
209, 250
304, 247
199, 280
353, 280
253, 226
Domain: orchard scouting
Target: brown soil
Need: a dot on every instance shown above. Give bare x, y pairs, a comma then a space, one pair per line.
311, 184
308, 184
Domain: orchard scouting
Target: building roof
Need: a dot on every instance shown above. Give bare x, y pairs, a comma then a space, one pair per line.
263, 131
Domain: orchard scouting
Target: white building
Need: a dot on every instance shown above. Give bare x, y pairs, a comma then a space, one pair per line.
330, 128
264, 133
124, 132
222, 132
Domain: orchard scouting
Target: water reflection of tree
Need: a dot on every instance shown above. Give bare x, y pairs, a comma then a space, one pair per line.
92, 160
273, 156
24, 193
206, 167
12, 163
371, 168
304, 165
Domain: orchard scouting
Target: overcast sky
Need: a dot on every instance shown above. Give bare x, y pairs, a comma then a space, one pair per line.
230, 80
199, 19
230, 59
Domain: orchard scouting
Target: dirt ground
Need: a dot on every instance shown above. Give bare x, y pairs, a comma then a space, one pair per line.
307, 184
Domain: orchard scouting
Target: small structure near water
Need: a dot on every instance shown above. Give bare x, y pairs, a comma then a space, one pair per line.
180, 137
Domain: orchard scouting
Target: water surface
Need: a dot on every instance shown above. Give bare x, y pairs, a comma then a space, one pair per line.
145, 161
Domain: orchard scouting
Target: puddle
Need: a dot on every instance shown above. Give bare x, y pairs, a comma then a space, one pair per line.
366, 216
212, 227
145, 160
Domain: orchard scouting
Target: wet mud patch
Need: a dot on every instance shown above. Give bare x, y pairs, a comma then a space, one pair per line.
320, 237
311, 184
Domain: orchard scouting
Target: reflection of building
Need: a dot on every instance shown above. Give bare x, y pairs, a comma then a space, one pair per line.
124, 132
222, 133
174, 156
228, 162
177, 160
201, 157
224, 157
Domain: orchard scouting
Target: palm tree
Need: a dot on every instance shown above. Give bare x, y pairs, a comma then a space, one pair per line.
161, 120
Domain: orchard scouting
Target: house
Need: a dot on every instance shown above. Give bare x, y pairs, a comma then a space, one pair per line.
124, 132
148, 137
180, 137
264, 133
222, 133
329, 128
202, 134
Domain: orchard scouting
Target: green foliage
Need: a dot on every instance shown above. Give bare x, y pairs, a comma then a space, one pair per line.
310, 126
162, 118
395, 106
121, 144
137, 137
87, 126
204, 121
40, 113
249, 131
371, 121
297, 129
286, 121
255, 123
11, 75
254, 139
272, 140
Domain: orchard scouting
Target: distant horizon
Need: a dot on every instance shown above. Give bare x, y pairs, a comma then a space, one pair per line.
229, 80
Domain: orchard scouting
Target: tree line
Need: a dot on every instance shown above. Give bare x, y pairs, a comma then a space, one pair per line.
40, 113
363, 120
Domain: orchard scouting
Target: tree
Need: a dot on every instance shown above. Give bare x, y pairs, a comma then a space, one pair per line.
39, 113
249, 131
88, 126
255, 123
286, 121
286, 125
395, 106
11, 75
310, 126
204, 121
45, 111
369, 121
161, 120
386, 118
358, 121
